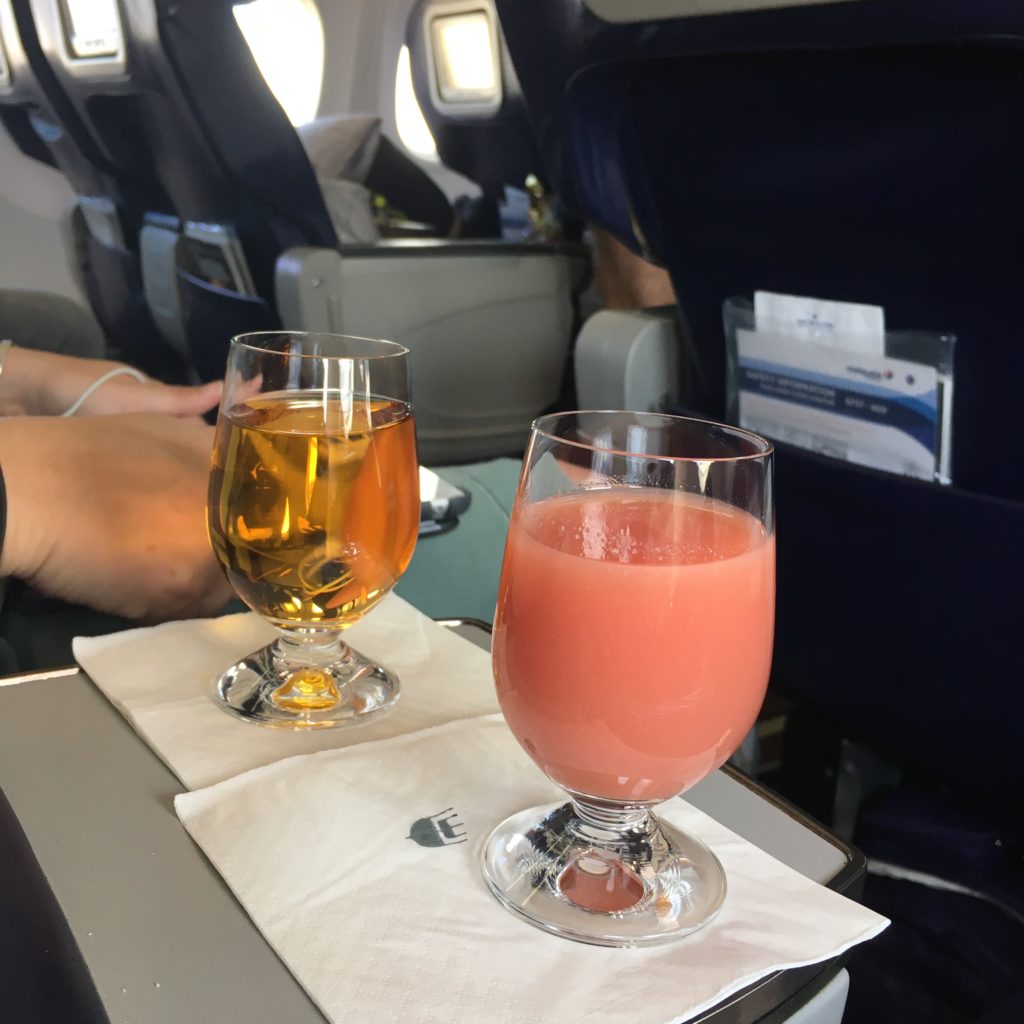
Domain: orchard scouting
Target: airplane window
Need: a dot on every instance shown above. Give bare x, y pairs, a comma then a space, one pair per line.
286, 38
412, 126
93, 28
465, 57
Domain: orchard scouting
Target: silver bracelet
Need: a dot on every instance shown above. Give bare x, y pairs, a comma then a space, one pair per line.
118, 371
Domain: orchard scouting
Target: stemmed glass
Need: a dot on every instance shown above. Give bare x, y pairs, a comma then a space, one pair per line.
313, 513
632, 647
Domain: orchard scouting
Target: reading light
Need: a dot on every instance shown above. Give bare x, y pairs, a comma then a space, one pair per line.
464, 45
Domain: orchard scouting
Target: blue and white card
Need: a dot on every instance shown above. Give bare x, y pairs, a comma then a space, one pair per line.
853, 405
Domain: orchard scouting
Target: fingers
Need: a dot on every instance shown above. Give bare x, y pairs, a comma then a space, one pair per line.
191, 401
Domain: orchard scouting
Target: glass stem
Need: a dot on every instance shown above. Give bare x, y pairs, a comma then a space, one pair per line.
609, 825
309, 648
613, 849
307, 662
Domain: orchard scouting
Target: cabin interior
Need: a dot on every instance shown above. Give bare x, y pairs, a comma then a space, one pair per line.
549, 203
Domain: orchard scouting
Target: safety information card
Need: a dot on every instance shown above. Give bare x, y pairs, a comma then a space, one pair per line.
867, 409
828, 377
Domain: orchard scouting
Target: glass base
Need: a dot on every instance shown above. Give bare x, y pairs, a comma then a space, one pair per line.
312, 685
574, 870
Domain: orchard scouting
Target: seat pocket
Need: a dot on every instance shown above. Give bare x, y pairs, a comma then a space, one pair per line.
899, 602
213, 316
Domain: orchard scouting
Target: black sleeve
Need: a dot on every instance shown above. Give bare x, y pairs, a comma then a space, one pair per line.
3, 509
43, 977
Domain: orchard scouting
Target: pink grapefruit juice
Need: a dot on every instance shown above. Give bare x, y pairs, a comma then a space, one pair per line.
633, 637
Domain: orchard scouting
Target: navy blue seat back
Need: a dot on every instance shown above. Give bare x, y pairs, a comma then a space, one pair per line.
227, 154
858, 151
193, 111
252, 170
494, 149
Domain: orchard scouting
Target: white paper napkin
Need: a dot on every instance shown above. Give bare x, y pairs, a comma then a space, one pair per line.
161, 678
379, 928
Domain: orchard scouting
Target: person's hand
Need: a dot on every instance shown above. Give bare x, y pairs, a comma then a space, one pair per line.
110, 512
47, 384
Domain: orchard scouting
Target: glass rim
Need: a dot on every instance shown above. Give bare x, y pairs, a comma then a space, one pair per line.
241, 341
767, 449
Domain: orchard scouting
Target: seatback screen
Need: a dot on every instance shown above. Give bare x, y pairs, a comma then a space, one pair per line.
93, 28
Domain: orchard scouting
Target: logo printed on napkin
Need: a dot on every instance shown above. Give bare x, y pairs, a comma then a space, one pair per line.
441, 829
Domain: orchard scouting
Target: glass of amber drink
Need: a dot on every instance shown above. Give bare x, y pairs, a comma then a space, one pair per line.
313, 513
632, 646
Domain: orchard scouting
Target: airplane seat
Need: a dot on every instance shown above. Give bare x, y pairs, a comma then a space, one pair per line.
489, 140
42, 299
488, 331
854, 151
40, 121
355, 161
50, 322
208, 242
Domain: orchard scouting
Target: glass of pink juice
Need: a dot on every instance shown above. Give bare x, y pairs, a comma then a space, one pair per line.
632, 647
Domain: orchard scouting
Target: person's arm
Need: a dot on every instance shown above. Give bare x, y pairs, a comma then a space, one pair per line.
39, 383
624, 280
109, 512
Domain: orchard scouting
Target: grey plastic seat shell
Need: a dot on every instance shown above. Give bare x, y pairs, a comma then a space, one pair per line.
488, 326
629, 359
